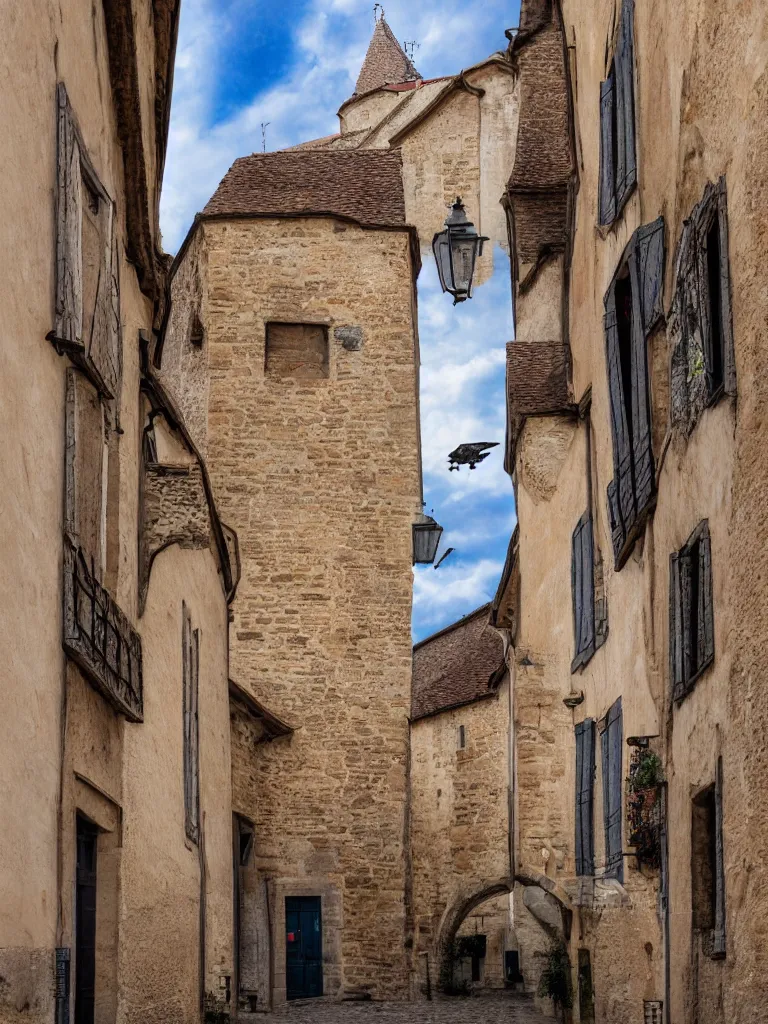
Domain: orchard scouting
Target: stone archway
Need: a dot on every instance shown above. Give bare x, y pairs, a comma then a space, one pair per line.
552, 909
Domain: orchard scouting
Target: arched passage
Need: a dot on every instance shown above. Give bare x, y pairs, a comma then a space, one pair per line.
554, 913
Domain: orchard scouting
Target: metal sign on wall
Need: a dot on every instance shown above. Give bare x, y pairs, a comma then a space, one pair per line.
63, 956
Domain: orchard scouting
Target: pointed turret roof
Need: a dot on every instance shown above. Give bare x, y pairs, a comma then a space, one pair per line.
385, 63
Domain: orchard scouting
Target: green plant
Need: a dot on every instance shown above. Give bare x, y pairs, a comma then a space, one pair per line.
555, 981
649, 772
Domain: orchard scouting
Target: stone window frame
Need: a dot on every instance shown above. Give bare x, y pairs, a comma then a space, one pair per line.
618, 154
320, 325
708, 893
639, 283
98, 354
690, 583
693, 341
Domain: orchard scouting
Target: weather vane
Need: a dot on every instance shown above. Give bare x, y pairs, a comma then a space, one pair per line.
376, 9
470, 454
410, 46
264, 126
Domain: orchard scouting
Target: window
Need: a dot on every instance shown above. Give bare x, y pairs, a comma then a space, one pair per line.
691, 619
583, 591
87, 302
707, 867
618, 164
611, 729
700, 322
633, 307
585, 795
297, 350
190, 652
462, 738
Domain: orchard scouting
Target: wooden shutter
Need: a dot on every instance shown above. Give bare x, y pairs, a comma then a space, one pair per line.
611, 750
642, 267
585, 776
622, 450
190, 686
68, 322
649, 248
626, 171
729, 361
718, 943
705, 617
583, 591
676, 672
606, 188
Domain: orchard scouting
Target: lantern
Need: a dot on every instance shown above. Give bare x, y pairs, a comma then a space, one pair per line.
456, 250
426, 537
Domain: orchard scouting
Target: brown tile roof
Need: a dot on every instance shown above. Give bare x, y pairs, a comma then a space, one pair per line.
364, 186
385, 62
456, 665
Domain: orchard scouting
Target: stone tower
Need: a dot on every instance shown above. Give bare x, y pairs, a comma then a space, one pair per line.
292, 348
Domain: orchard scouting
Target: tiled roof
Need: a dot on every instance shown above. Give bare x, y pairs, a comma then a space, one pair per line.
364, 186
456, 665
385, 62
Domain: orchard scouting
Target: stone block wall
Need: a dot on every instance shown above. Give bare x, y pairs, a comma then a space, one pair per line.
321, 480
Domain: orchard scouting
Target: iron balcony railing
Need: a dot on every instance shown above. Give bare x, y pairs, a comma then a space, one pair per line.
99, 637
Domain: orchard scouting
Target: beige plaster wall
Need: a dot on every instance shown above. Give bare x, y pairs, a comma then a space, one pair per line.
459, 815
164, 874
368, 110
62, 748
321, 630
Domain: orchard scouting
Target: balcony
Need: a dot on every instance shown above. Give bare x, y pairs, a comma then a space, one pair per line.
99, 638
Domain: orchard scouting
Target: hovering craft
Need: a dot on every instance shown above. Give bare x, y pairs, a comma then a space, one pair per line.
470, 454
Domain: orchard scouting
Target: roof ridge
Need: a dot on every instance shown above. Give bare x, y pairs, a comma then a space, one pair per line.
385, 63
454, 625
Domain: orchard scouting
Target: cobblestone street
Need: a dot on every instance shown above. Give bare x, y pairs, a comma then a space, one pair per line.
506, 1009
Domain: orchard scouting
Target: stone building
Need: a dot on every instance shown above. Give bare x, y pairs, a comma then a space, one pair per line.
459, 806
633, 596
116, 844
292, 349
456, 136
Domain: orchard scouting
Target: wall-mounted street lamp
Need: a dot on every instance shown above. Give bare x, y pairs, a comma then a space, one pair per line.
456, 250
426, 538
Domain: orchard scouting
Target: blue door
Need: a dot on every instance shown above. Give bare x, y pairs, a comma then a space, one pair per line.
303, 947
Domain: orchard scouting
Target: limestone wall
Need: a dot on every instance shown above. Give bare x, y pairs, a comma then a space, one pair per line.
459, 816
320, 478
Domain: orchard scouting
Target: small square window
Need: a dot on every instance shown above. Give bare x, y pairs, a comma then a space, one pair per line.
297, 350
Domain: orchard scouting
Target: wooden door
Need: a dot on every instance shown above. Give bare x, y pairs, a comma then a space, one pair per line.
303, 947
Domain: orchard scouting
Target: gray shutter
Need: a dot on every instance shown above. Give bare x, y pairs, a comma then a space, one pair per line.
606, 188
585, 775
642, 453
583, 590
706, 627
104, 347
686, 631
626, 172
68, 324
649, 246
622, 451
618, 533
718, 944
729, 360
676, 673
611, 744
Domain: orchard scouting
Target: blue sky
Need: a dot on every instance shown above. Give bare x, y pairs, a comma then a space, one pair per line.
243, 62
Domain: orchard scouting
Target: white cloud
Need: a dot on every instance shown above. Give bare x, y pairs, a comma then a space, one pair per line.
454, 590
